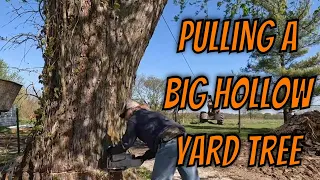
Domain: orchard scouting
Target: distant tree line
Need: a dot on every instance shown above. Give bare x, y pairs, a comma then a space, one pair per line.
150, 90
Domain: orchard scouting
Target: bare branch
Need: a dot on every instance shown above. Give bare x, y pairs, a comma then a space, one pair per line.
30, 94
18, 40
19, 14
31, 15
29, 70
34, 90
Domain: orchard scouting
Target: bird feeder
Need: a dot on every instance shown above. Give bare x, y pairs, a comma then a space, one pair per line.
8, 92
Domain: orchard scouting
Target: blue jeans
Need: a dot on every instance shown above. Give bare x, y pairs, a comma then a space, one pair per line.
166, 161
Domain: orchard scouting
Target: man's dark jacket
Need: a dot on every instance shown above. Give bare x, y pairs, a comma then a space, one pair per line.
146, 125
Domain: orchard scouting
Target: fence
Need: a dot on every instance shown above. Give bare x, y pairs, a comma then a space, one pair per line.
8, 118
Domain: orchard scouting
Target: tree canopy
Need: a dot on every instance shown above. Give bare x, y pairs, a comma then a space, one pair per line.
7, 74
149, 90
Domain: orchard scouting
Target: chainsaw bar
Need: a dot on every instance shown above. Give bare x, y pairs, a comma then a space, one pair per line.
120, 162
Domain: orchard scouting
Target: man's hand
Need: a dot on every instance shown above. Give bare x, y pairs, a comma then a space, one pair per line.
108, 151
139, 158
147, 155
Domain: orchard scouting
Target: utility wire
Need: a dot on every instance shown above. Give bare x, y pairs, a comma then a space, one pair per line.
177, 43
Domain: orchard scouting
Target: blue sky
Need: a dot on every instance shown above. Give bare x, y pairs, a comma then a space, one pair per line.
160, 58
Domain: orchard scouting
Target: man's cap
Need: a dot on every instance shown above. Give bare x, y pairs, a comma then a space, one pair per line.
131, 104
128, 104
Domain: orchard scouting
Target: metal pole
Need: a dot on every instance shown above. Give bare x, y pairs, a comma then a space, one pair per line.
239, 117
182, 116
176, 116
239, 125
175, 112
18, 133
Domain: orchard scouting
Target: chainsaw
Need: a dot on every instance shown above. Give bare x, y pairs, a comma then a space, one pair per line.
121, 162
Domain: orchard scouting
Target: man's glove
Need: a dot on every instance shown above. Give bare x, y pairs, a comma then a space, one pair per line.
108, 150
147, 155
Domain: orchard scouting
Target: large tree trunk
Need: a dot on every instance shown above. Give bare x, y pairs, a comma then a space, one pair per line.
92, 55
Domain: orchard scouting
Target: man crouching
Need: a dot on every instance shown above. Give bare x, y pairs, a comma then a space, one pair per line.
160, 135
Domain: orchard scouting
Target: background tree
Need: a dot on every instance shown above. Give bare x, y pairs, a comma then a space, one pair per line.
27, 106
7, 74
275, 63
150, 90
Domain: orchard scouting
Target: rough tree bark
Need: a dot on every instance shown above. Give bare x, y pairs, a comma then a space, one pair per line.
94, 49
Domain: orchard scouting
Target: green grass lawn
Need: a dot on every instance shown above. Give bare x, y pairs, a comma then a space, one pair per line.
230, 126
26, 121
144, 173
